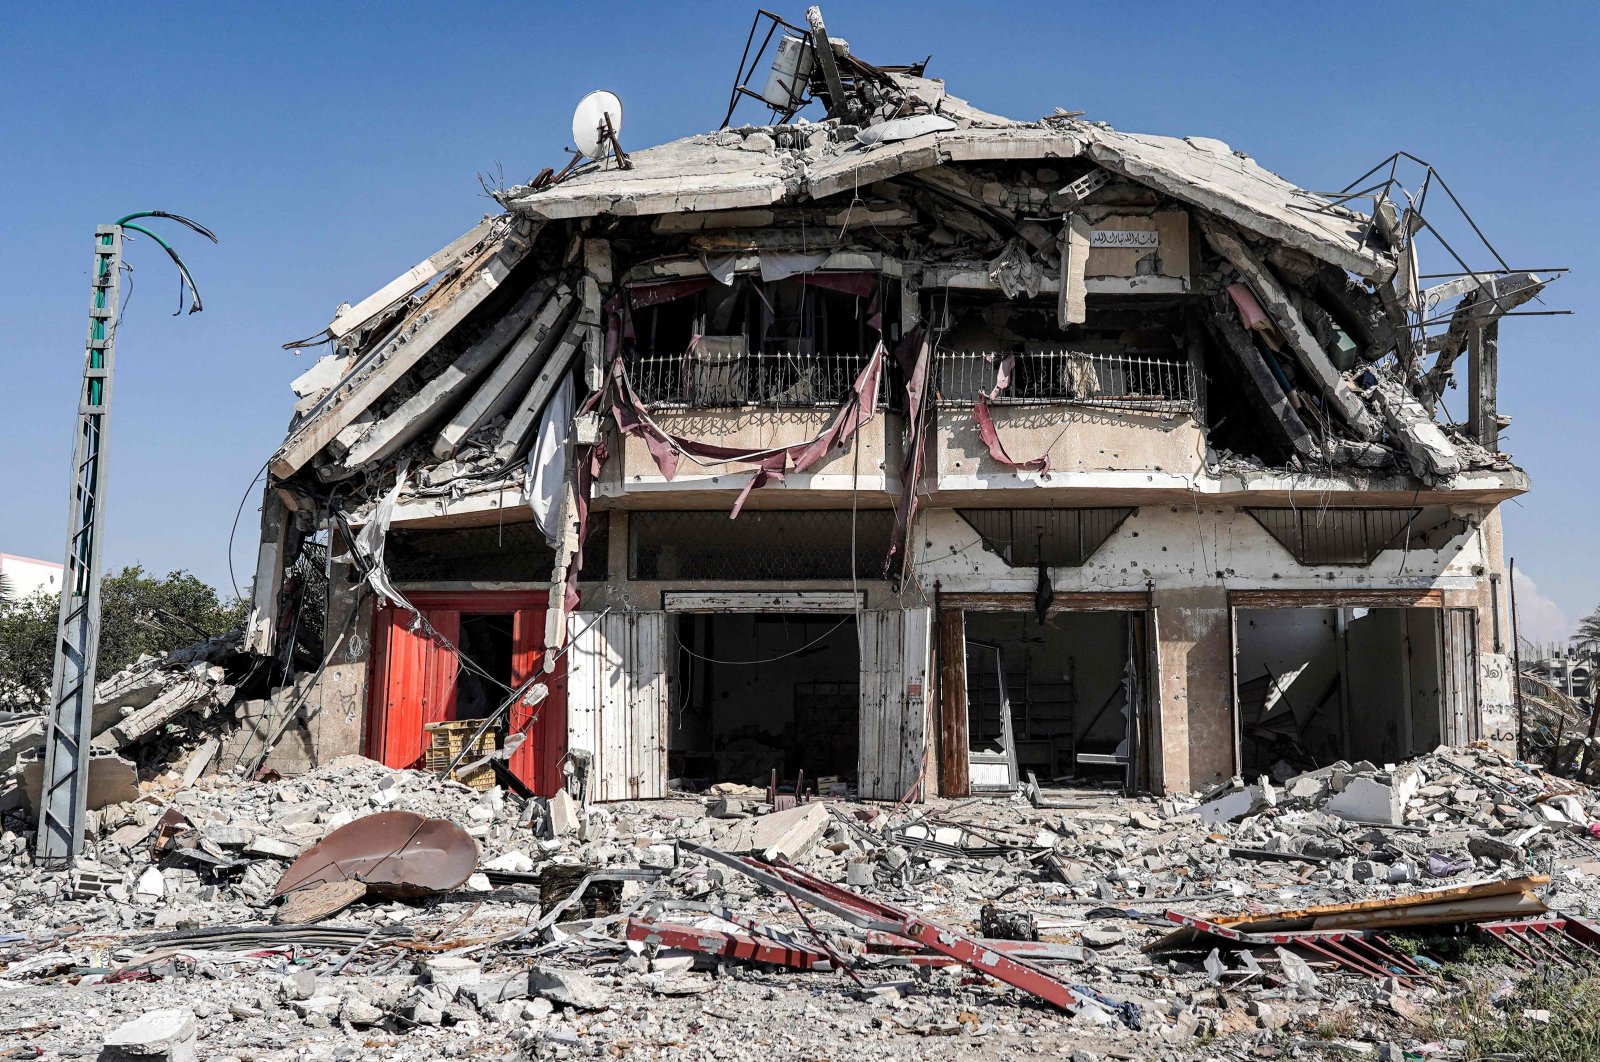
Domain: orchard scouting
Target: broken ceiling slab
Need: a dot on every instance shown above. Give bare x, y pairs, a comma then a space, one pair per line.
854, 166
411, 417
1311, 357
897, 129
702, 172
1205, 174
511, 374
932, 92
433, 320
1431, 454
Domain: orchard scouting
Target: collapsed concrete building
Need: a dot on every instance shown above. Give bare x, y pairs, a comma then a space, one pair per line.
913, 447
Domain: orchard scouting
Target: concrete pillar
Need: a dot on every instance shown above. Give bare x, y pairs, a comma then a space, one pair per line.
340, 696
1195, 740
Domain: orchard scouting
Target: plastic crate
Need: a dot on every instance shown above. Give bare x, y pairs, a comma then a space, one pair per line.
448, 738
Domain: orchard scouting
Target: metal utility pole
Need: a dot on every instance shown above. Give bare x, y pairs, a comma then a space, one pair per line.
65, 782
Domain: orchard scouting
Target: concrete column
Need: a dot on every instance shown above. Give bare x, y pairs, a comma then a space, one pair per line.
1196, 684
339, 699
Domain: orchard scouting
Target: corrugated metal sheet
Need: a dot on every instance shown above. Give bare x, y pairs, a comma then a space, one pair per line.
414, 684
1461, 675
616, 702
894, 700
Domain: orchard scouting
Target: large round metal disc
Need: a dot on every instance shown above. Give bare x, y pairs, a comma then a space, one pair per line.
592, 110
396, 853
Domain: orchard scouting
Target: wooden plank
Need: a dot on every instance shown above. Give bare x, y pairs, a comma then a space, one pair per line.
760, 601
1524, 905
955, 779
870, 723
1275, 300
615, 701
1506, 887
1461, 675
1108, 601
583, 682
510, 375
914, 692
1336, 598
882, 705
477, 286
649, 744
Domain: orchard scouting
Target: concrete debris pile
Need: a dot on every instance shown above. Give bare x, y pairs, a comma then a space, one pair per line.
146, 715
209, 919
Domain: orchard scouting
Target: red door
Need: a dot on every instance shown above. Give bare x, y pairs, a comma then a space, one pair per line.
414, 682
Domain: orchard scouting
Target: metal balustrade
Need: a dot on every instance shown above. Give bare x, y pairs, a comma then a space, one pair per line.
1114, 381
702, 379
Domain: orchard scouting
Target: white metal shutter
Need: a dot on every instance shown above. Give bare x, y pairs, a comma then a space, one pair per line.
616, 702
894, 700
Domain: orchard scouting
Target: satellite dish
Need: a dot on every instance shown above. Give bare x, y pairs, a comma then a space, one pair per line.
596, 122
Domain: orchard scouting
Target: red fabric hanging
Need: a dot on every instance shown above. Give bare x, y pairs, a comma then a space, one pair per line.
986, 429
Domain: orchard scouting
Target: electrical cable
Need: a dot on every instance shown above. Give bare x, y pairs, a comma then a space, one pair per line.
235, 528
769, 660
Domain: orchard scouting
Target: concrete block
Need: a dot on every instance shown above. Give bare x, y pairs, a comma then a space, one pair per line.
272, 846
789, 834
565, 816
568, 988
1365, 799
157, 1034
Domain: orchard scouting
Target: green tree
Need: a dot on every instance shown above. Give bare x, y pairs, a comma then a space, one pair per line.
139, 614
1588, 636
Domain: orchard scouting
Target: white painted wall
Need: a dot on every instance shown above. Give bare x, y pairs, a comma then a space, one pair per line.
1182, 546
27, 576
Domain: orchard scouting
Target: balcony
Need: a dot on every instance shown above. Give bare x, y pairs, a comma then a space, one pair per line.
1106, 421
1071, 377
723, 376
721, 394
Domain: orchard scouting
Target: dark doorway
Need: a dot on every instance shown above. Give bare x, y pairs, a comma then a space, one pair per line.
486, 640
758, 693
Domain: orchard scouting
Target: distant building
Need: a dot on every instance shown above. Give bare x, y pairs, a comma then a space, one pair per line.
1569, 670
27, 575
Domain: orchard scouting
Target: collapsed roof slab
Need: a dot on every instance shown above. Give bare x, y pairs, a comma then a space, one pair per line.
695, 173
857, 165
433, 320
411, 417
1312, 358
1208, 174
510, 376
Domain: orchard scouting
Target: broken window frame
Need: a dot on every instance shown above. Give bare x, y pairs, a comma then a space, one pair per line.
748, 366
1142, 683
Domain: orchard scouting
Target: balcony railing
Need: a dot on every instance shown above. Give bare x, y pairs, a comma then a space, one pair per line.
723, 380
1108, 381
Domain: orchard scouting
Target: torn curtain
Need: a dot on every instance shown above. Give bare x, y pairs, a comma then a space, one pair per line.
859, 407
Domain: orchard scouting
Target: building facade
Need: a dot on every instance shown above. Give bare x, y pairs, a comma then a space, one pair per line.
915, 448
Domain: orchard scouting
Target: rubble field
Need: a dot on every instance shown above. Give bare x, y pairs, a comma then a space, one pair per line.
166, 940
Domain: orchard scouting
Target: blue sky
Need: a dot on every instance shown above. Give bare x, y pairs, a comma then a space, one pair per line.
331, 146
